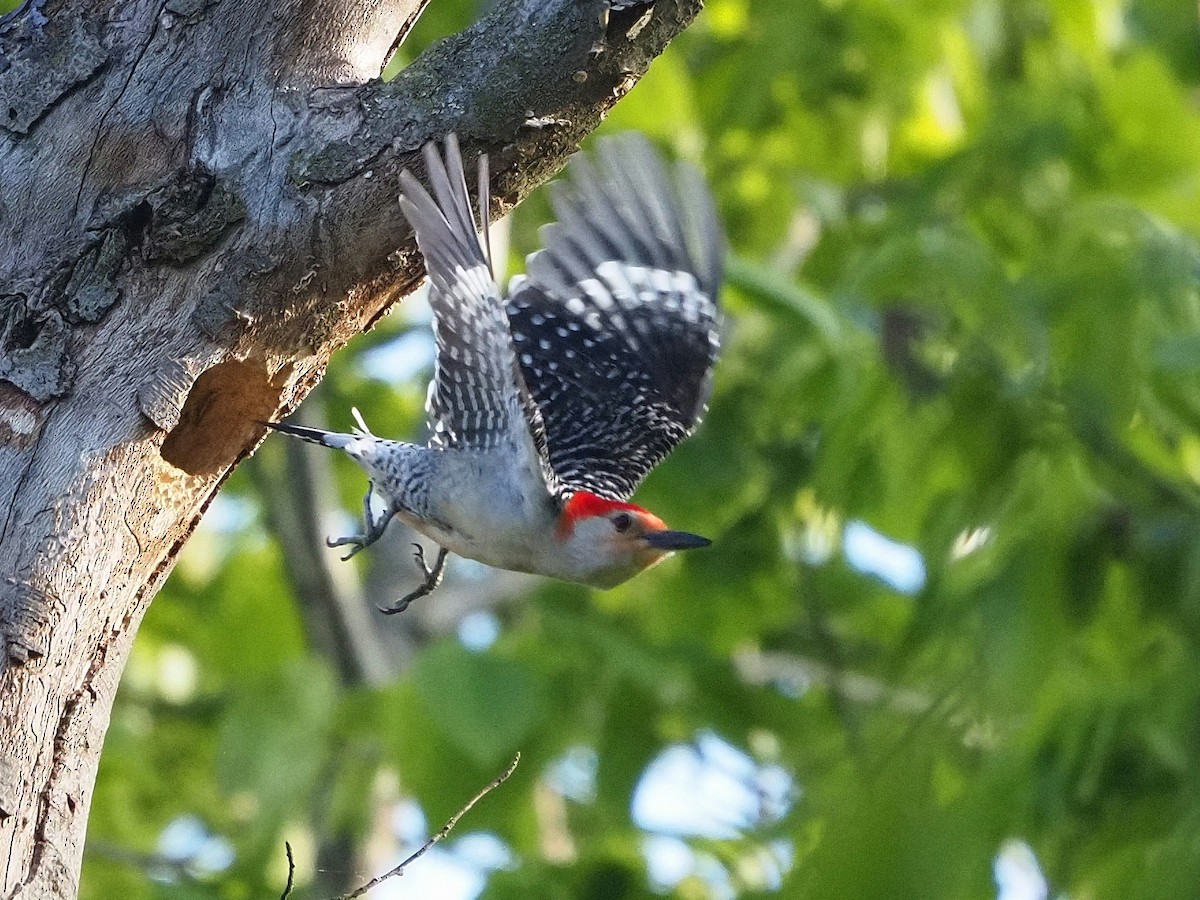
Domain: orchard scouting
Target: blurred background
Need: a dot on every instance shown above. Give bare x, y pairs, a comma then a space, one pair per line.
947, 640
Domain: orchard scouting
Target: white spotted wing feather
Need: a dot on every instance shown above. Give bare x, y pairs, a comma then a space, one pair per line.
616, 326
476, 399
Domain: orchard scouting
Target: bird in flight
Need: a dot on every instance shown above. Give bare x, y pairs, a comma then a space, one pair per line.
548, 409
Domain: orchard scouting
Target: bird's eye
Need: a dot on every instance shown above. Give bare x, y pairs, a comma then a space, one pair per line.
622, 522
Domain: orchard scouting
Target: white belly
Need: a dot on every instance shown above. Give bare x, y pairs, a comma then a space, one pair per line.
489, 513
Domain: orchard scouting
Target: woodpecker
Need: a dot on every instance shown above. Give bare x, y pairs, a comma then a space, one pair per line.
547, 411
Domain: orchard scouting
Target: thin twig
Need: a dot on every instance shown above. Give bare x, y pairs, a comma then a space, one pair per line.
291, 871
445, 830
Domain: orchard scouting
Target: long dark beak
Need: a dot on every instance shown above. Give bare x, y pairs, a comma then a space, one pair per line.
675, 540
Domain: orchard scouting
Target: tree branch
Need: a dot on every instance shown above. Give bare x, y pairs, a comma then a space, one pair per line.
333, 42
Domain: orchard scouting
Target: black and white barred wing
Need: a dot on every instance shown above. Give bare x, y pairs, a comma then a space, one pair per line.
475, 398
616, 326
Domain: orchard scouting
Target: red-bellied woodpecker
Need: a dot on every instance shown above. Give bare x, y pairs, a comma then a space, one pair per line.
547, 411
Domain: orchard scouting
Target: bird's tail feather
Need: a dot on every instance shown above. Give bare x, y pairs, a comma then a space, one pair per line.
333, 439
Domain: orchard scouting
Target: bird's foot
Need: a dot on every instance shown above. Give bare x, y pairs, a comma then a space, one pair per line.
359, 542
433, 577
356, 543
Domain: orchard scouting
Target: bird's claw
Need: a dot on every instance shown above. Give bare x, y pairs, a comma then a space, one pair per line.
356, 542
433, 577
375, 529
402, 604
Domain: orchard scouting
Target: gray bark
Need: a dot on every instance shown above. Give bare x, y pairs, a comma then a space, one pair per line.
197, 207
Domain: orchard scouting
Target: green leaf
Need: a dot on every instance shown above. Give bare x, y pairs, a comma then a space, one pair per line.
485, 704
273, 739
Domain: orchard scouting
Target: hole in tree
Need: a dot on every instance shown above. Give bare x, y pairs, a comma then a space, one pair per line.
23, 334
137, 220
219, 418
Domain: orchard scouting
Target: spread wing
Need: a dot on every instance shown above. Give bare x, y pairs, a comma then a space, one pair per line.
476, 399
616, 326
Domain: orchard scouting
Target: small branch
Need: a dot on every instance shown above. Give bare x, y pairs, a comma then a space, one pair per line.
422, 850
445, 830
287, 889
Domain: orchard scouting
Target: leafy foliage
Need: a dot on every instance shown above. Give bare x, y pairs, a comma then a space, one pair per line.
964, 305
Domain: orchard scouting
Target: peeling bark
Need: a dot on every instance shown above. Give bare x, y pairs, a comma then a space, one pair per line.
197, 208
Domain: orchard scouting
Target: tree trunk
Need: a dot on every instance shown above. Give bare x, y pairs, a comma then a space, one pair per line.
197, 207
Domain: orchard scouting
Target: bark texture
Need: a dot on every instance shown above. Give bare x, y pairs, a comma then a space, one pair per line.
197, 207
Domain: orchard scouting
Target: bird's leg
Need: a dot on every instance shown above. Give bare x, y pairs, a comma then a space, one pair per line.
433, 577
374, 531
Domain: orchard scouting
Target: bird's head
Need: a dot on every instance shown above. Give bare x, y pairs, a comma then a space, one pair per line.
610, 542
